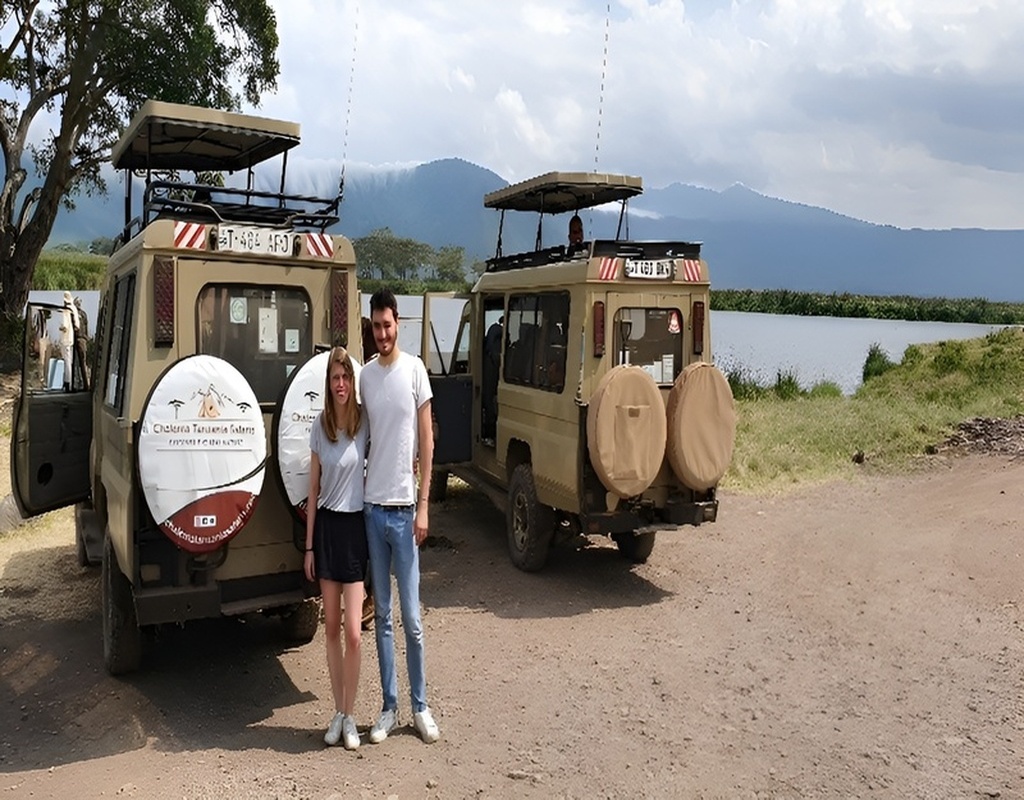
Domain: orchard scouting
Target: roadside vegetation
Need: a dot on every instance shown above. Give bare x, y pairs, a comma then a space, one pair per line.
788, 436
913, 309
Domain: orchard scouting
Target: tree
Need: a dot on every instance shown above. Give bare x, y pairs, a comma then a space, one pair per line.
78, 69
448, 261
383, 255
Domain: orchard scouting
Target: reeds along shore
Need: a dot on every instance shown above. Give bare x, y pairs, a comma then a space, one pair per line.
913, 309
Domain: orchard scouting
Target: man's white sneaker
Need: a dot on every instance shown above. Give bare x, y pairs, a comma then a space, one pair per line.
425, 726
334, 730
384, 725
349, 734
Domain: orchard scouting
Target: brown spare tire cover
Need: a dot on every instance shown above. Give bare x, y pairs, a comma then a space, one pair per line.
701, 426
626, 430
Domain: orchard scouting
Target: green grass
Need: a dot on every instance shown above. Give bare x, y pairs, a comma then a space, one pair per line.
784, 439
68, 269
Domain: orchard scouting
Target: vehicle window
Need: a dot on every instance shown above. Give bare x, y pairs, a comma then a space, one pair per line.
265, 332
57, 347
535, 340
120, 338
651, 338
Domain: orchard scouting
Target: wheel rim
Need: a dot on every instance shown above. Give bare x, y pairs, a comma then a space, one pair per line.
520, 521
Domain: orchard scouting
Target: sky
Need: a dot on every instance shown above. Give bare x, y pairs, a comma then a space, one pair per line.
900, 112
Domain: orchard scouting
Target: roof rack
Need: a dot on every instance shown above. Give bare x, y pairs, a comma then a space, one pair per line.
164, 138
559, 192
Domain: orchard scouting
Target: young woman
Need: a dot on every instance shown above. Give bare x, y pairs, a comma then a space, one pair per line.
336, 550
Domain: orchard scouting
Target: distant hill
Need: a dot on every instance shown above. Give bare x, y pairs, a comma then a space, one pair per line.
750, 241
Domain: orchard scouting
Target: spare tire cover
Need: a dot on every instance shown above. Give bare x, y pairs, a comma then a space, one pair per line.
626, 430
302, 399
202, 452
701, 426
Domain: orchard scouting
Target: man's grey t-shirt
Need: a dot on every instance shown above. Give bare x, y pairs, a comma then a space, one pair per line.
341, 466
392, 396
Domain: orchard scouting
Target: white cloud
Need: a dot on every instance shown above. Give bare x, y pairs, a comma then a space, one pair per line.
875, 108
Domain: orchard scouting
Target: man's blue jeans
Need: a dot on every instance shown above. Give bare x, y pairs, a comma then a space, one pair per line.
392, 546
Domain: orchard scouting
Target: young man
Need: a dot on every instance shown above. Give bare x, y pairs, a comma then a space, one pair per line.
396, 394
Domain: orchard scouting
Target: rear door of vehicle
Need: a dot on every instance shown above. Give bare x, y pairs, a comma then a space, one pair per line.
52, 424
452, 387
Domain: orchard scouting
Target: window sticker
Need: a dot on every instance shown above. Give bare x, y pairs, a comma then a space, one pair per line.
239, 313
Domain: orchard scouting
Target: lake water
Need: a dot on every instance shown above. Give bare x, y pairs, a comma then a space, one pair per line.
814, 349
819, 349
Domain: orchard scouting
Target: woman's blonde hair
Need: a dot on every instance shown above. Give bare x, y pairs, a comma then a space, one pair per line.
353, 414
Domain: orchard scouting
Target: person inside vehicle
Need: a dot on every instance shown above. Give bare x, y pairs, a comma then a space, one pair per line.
575, 231
337, 552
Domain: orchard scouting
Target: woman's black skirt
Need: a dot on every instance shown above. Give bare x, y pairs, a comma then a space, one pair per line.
340, 552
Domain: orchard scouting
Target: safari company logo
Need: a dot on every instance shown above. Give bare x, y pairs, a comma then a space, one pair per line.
302, 403
202, 452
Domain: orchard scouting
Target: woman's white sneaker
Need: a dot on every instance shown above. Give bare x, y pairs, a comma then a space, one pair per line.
349, 734
334, 730
425, 726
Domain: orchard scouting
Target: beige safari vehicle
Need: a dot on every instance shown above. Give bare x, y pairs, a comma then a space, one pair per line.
178, 429
580, 395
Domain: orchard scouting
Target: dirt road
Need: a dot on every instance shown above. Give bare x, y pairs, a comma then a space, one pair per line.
852, 640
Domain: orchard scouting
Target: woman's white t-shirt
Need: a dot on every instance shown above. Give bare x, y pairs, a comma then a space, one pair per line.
341, 466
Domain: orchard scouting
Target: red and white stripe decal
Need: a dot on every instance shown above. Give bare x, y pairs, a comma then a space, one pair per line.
609, 270
691, 269
320, 245
190, 235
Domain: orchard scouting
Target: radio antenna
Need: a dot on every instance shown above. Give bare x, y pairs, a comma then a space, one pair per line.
348, 106
604, 73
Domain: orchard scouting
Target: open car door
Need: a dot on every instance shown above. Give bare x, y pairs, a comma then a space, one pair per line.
443, 348
52, 425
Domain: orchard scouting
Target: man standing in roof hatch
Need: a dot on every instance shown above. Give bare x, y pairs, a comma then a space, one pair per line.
396, 396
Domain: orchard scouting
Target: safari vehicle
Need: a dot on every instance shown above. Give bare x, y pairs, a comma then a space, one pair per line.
580, 395
212, 305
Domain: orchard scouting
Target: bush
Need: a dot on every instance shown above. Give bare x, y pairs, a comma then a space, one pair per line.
951, 357
877, 363
786, 386
825, 389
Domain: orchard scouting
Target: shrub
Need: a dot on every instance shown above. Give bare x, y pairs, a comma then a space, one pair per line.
951, 357
786, 386
877, 363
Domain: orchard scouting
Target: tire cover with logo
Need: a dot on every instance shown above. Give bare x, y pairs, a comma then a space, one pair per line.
701, 426
202, 452
301, 400
626, 430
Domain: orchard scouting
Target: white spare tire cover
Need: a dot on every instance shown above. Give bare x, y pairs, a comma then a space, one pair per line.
701, 426
202, 452
301, 400
626, 430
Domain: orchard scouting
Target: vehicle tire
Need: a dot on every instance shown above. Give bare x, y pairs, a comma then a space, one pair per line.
531, 526
301, 623
701, 418
122, 638
438, 485
626, 429
637, 548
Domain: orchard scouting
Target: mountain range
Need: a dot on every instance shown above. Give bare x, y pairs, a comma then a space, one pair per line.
750, 241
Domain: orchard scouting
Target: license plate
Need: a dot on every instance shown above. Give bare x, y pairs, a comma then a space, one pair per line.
253, 239
658, 270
